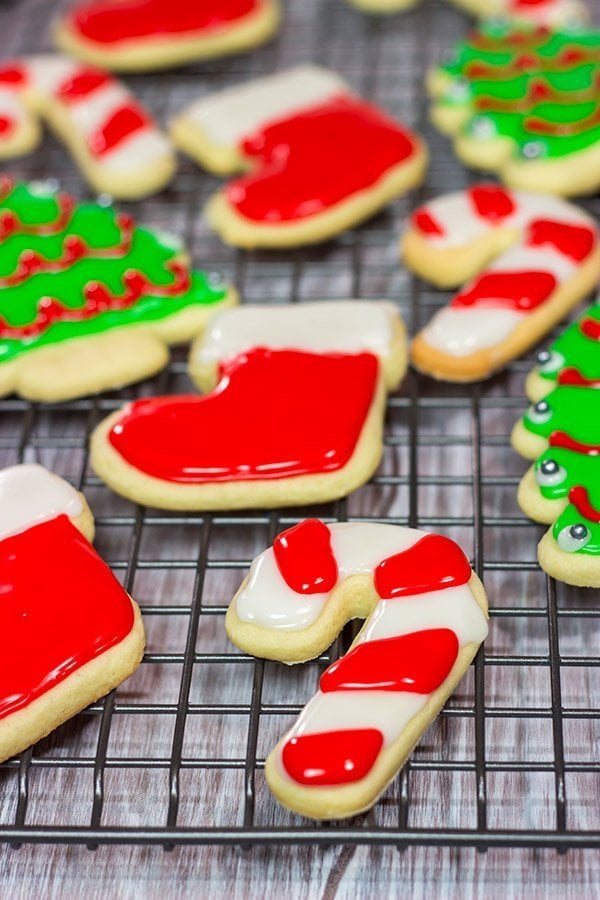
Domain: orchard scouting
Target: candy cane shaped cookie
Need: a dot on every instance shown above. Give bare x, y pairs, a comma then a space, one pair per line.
71, 633
88, 299
294, 413
577, 347
145, 35
425, 614
292, 130
533, 257
562, 432
111, 136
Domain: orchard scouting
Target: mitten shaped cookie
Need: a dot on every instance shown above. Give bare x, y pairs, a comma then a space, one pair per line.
71, 633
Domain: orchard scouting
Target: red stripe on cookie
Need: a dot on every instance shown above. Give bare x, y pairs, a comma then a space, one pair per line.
433, 563
332, 757
491, 202
121, 125
305, 558
522, 291
575, 241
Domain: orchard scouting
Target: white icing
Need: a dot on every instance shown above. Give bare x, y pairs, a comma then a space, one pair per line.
464, 330
461, 223
267, 600
48, 73
233, 114
335, 326
99, 106
11, 108
30, 495
534, 259
388, 711
141, 148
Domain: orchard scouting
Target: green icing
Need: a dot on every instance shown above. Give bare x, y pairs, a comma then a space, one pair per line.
97, 226
573, 348
575, 410
576, 468
571, 517
577, 81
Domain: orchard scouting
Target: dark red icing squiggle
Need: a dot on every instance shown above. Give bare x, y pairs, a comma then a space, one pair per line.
580, 498
61, 608
573, 377
564, 440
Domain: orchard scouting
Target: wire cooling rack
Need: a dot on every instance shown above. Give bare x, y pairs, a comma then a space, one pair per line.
176, 754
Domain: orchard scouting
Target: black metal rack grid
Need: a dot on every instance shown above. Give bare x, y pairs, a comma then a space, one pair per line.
176, 754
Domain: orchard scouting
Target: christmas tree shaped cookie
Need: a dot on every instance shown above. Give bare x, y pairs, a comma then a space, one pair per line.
88, 300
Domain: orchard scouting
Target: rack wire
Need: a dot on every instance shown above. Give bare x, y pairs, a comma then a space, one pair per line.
176, 754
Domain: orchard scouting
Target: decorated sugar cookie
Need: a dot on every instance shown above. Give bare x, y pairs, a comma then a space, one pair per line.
562, 433
541, 12
527, 258
88, 300
110, 135
425, 612
144, 35
70, 632
525, 103
292, 131
577, 347
294, 413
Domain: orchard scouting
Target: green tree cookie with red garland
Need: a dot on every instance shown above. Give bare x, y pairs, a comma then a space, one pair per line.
524, 102
88, 300
561, 431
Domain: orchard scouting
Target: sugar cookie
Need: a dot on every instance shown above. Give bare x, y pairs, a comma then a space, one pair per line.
71, 632
110, 135
292, 131
562, 488
294, 417
425, 614
525, 102
540, 12
145, 35
88, 300
578, 346
533, 257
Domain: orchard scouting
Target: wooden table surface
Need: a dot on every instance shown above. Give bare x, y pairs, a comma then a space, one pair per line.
447, 466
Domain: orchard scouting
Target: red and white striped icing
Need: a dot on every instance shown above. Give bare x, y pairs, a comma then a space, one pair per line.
552, 239
118, 133
30, 495
426, 613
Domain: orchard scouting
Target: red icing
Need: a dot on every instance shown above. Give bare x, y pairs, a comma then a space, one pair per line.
523, 291
424, 221
107, 22
85, 82
13, 75
580, 499
121, 125
332, 757
6, 125
74, 249
575, 241
433, 563
98, 299
61, 607
11, 224
590, 328
274, 414
566, 442
573, 377
300, 170
491, 202
416, 663
305, 559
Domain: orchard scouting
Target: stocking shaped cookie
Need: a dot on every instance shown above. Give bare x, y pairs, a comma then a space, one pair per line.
88, 300
144, 35
533, 257
294, 416
577, 347
112, 138
294, 131
70, 632
562, 433
426, 617
524, 102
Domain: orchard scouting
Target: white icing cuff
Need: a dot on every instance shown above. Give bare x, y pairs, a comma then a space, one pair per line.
30, 495
232, 115
462, 331
343, 326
